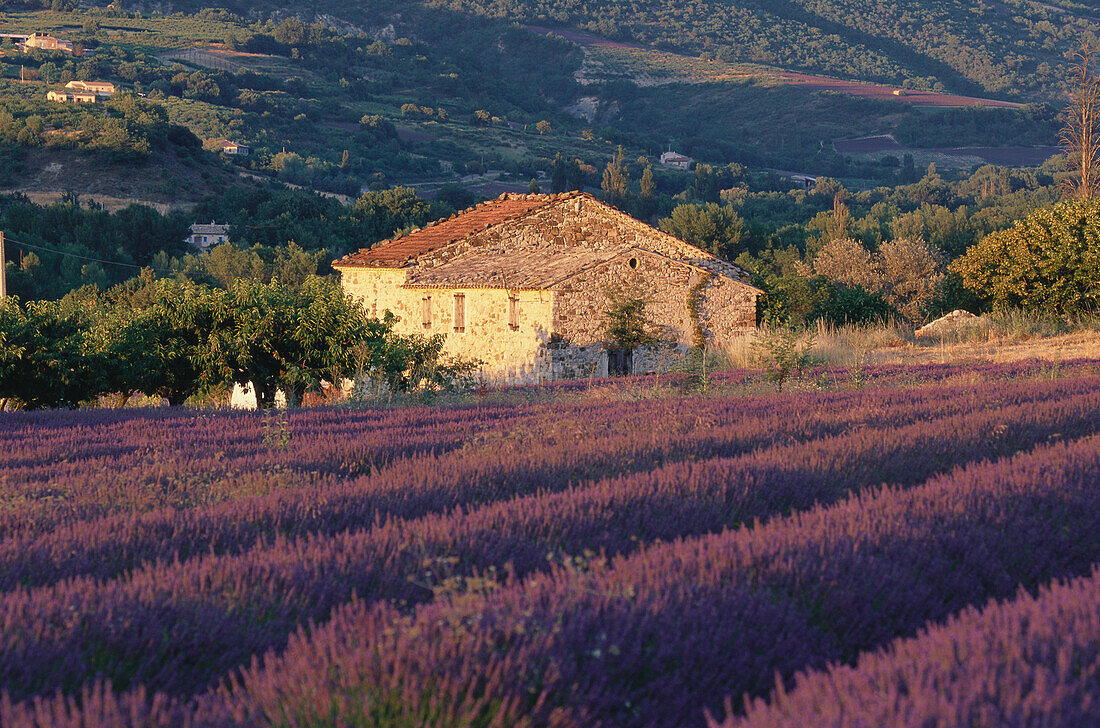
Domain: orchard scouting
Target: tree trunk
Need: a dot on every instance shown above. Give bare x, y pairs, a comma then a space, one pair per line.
294, 394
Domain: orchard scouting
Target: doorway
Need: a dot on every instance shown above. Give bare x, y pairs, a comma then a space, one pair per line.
620, 362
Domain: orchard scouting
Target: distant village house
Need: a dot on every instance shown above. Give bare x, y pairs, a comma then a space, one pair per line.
235, 148
99, 88
676, 161
47, 42
76, 97
522, 283
203, 236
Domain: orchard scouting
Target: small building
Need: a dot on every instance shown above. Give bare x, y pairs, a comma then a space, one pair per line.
76, 97
235, 148
523, 283
676, 161
47, 42
806, 180
203, 236
99, 88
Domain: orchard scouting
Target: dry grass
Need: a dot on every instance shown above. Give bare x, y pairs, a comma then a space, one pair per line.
1000, 337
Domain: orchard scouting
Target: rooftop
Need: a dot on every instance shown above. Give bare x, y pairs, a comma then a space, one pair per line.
397, 252
209, 229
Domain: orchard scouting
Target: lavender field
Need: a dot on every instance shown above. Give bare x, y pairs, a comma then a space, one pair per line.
917, 547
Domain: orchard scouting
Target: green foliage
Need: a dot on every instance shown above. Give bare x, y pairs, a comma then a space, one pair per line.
1047, 262
850, 305
415, 363
714, 228
274, 337
160, 339
175, 339
626, 324
777, 349
45, 359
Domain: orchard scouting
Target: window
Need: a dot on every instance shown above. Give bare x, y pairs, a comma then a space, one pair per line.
460, 312
426, 311
513, 313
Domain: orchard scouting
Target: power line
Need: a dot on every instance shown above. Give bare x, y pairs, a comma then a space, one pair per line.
22, 244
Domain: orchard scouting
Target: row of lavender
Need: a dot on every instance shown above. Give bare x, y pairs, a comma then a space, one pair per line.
1031, 661
39, 447
161, 625
48, 539
220, 610
654, 638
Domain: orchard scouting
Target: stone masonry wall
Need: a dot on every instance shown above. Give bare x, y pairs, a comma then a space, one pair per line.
510, 356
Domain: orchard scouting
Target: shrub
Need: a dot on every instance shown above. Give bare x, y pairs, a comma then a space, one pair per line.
778, 351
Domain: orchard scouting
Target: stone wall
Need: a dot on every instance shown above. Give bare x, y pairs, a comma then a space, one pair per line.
509, 355
582, 301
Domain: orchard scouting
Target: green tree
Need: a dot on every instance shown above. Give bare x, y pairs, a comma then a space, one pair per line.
616, 183
43, 356
1047, 262
559, 175
626, 322
647, 185
712, 227
275, 337
414, 363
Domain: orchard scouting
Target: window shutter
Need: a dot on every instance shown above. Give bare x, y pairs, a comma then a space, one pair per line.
426, 311
513, 313
460, 312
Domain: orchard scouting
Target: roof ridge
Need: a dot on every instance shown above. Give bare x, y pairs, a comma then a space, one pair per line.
545, 199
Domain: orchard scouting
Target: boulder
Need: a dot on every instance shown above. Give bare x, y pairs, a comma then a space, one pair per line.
953, 322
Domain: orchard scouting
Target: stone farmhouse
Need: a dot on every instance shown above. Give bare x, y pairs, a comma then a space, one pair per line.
521, 283
47, 42
234, 148
676, 161
74, 97
99, 88
204, 236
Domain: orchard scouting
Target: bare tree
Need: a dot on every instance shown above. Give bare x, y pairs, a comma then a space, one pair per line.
1080, 135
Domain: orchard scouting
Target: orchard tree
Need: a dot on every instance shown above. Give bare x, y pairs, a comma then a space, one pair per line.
616, 183
1048, 262
163, 341
43, 361
273, 336
710, 226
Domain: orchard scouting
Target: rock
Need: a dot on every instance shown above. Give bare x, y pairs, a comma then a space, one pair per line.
954, 321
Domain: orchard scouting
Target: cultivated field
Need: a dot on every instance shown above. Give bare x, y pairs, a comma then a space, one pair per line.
592, 553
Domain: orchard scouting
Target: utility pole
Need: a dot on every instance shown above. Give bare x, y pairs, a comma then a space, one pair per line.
3, 270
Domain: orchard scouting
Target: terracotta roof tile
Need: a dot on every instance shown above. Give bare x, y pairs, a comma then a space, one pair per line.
395, 253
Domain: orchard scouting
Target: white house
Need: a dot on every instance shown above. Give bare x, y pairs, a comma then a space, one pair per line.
676, 161
205, 236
